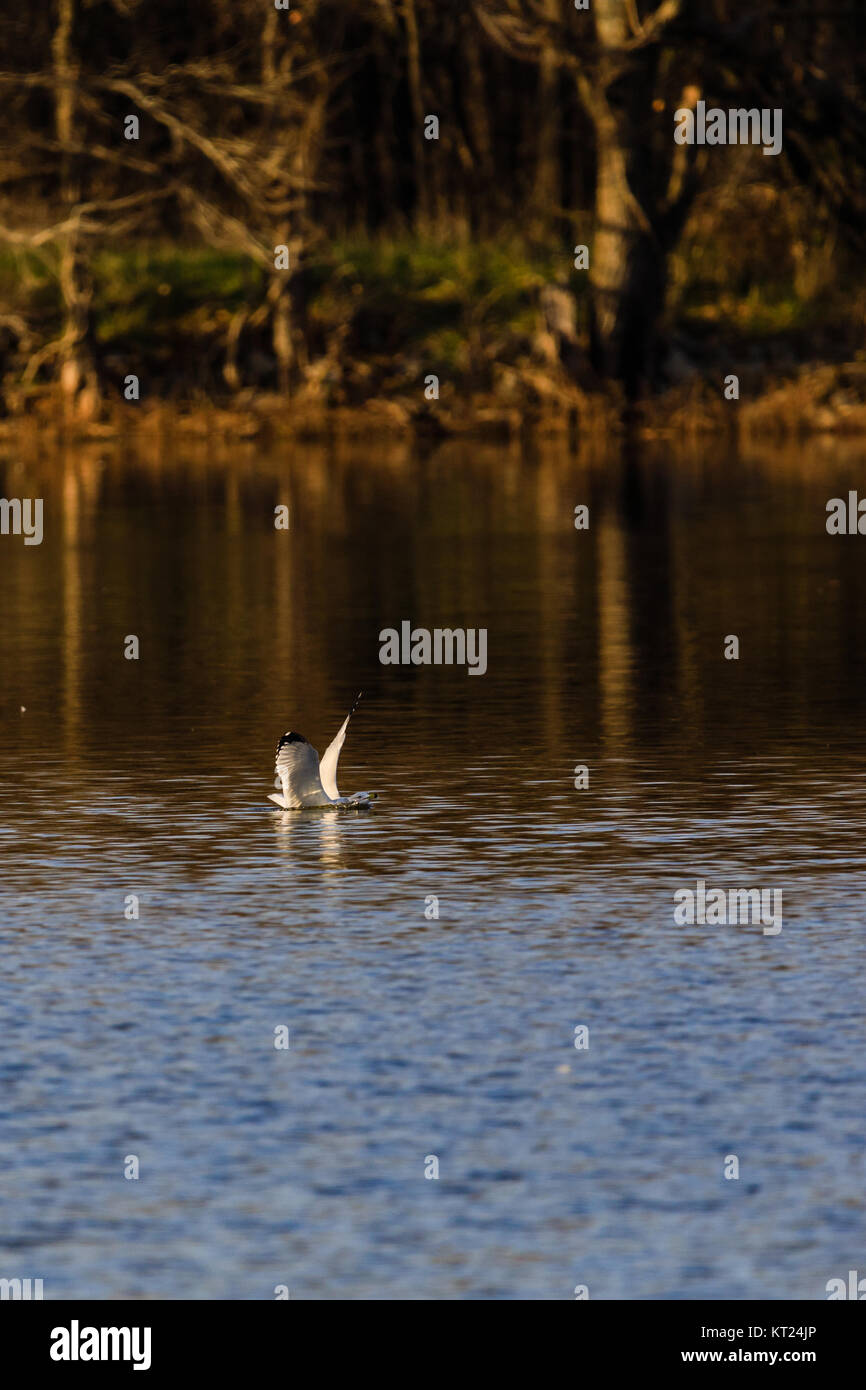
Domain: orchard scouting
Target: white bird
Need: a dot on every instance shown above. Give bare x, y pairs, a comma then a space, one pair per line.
308, 780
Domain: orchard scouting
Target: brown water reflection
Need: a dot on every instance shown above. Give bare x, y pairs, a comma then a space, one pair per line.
627, 620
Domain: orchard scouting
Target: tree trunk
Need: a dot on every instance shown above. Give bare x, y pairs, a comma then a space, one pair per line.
546, 197
281, 330
487, 207
635, 225
628, 269
76, 364
76, 291
423, 193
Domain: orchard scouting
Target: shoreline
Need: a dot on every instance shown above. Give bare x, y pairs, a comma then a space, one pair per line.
821, 399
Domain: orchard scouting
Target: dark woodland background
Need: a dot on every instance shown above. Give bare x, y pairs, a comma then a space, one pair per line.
260, 127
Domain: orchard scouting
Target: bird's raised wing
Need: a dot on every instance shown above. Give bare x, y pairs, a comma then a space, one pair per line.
331, 756
297, 767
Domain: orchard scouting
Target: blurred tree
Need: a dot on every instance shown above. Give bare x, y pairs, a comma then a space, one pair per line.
231, 101
261, 127
632, 66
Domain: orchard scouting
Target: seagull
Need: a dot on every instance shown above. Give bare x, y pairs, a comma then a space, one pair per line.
308, 780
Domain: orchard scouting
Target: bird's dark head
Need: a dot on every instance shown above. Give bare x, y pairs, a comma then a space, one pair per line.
290, 738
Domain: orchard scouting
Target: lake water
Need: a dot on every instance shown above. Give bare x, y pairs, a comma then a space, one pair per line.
411, 1036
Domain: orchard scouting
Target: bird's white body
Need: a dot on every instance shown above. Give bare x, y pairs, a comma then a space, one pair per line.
306, 779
